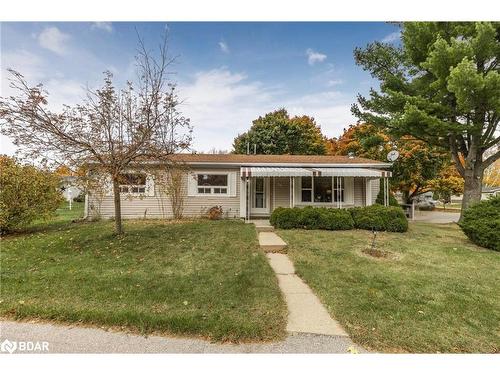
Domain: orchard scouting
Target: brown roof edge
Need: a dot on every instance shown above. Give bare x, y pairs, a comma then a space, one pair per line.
271, 159
247, 160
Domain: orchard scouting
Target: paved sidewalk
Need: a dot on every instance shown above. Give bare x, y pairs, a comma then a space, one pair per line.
67, 339
437, 217
306, 313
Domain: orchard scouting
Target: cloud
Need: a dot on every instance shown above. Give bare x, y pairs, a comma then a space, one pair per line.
334, 82
314, 57
54, 40
221, 104
223, 46
35, 70
392, 37
23, 61
106, 26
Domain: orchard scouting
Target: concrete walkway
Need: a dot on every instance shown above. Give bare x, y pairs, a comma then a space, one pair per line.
67, 339
306, 314
437, 217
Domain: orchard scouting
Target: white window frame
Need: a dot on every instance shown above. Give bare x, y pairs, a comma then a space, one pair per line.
212, 188
334, 192
129, 188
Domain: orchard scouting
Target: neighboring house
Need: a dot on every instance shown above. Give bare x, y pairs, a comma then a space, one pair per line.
246, 185
489, 191
486, 192
69, 187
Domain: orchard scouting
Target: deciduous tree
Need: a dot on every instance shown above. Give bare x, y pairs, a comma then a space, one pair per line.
442, 86
111, 129
416, 166
277, 133
27, 193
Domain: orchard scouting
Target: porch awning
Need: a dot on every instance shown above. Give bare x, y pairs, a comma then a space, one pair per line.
304, 172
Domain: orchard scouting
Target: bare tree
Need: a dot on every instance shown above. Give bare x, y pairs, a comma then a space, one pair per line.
112, 129
170, 182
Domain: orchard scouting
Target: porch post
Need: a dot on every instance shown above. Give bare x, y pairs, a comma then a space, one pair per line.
290, 193
293, 192
274, 194
340, 192
247, 183
386, 192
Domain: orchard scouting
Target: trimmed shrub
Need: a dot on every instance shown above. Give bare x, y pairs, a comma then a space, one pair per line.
376, 217
311, 218
336, 219
27, 193
367, 219
380, 218
481, 223
286, 218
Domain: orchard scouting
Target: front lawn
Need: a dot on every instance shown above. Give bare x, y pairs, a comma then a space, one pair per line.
200, 278
434, 292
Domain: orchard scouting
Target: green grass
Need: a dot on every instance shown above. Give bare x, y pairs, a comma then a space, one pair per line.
435, 292
199, 278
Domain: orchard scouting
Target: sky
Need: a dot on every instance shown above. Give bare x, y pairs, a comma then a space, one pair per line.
227, 74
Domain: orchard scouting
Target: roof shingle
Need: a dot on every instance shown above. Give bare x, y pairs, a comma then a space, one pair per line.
285, 159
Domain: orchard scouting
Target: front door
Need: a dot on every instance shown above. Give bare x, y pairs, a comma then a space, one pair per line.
260, 196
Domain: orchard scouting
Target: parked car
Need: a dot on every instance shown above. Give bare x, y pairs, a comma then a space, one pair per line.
426, 204
425, 201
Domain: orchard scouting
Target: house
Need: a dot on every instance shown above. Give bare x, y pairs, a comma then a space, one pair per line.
70, 188
489, 191
486, 193
246, 186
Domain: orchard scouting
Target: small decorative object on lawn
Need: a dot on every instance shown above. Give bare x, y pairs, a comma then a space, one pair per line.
373, 239
373, 251
215, 213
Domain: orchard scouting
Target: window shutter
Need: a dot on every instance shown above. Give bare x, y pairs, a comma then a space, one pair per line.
349, 190
232, 184
192, 184
150, 186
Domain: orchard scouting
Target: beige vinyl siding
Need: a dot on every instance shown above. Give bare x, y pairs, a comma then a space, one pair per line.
359, 191
375, 189
159, 206
280, 192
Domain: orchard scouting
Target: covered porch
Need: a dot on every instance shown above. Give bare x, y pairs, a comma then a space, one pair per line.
265, 188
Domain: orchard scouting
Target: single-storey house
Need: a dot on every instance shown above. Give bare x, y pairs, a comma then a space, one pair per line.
246, 186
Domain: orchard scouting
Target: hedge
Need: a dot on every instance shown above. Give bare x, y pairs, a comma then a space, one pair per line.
375, 217
481, 223
380, 218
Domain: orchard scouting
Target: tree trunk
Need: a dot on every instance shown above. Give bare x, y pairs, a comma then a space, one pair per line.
118, 207
472, 188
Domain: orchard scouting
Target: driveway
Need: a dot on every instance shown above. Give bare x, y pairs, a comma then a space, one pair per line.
67, 339
437, 217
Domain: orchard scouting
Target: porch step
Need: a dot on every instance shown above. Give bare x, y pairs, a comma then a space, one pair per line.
264, 228
271, 243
